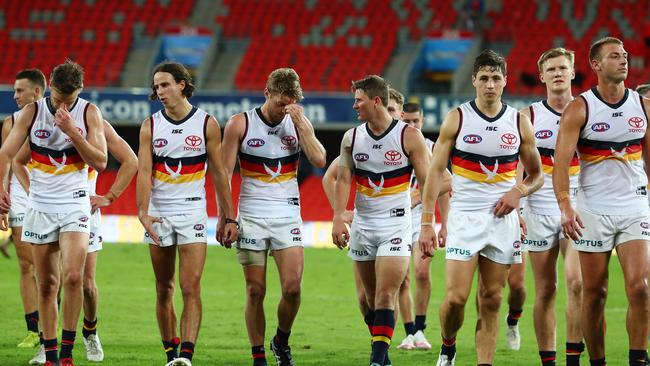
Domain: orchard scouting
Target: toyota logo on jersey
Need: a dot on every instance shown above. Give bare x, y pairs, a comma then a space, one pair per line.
392, 155
636, 122
509, 138
193, 140
288, 140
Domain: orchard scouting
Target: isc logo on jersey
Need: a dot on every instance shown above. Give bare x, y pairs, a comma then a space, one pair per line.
509, 140
193, 143
637, 124
392, 157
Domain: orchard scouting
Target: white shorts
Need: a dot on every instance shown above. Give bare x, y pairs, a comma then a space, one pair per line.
181, 229
44, 228
385, 241
95, 243
275, 234
602, 233
544, 231
17, 211
497, 239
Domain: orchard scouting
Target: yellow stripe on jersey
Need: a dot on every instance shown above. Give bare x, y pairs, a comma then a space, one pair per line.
573, 170
481, 177
598, 158
65, 169
266, 178
92, 174
370, 192
185, 178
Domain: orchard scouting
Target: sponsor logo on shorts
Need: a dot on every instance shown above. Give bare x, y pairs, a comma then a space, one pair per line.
459, 251
191, 199
589, 243
83, 218
294, 201
397, 212
92, 235
637, 124
641, 191
295, 231
42, 134
516, 244
536, 243
199, 227
600, 127
359, 253
361, 157
645, 225
199, 235
79, 194
255, 142
543, 134
396, 241
146, 235
31, 234
297, 238
472, 139
250, 241
395, 249
158, 143
392, 157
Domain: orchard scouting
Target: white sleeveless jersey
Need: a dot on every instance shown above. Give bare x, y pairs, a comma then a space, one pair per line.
416, 212
485, 157
546, 124
59, 176
179, 163
268, 162
16, 189
612, 178
382, 173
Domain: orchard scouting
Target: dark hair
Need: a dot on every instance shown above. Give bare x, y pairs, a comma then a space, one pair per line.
412, 108
67, 77
35, 76
178, 72
594, 50
491, 60
373, 86
284, 82
643, 88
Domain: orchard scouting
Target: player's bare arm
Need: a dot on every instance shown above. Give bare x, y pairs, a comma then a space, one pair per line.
92, 149
143, 186
17, 136
435, 180
309, 144
122, 152
227, 229
233, 134
646, 142
340, 233
418, 152
19, 166
572, 121
532, 164
329, 181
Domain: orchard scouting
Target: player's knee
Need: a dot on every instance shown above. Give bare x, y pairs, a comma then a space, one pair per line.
291, 291
490, 300
384, 299
456, 300
637, 291
574, 287
594, 294
406, 284
48, 286
423, 277
191, 287
26, 267
164, 290
73, 279
255, 292
546, 291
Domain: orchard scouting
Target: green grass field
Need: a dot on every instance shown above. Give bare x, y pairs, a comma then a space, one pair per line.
328, 331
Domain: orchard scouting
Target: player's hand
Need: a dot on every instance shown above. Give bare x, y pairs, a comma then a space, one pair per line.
5, 201
230, 234
4, 222
98, 202
522, 226
428, 241
507, 203
348, 216
340, 232
442, 236
147, 222
63, 119
296, 112
571, 222
221, 222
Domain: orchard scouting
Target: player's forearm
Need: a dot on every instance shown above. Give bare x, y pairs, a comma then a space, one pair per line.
561, 180
5, 164
341, 189
21, 172
125, 174
310, 145
443, 205
533, 181
224, 196
328, 187
431, 190
93, 156
143, 192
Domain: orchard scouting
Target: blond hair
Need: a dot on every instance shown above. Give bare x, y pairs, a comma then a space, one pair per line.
284, 82
553, 53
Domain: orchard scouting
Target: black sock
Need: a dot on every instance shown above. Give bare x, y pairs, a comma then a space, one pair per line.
281, 338
420, 322
369, 319
547, 357
40, 338
67, 343
32, 321
598, 362
448, 347
50, 346
573, 352
638, 357
484, 364
513, 316
259, 355
171, 347
386, 360
409, 328
187, 350
382, 332
90, 327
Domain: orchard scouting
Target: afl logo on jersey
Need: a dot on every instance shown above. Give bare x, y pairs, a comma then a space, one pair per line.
295, 231
288, 140
158, 143
544, 134
600, 127
396, 241
255, 142
199, 227
392, 157
42, 134
472, 139
361, 157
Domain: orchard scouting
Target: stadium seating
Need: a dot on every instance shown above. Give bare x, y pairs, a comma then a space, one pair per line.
95, 33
